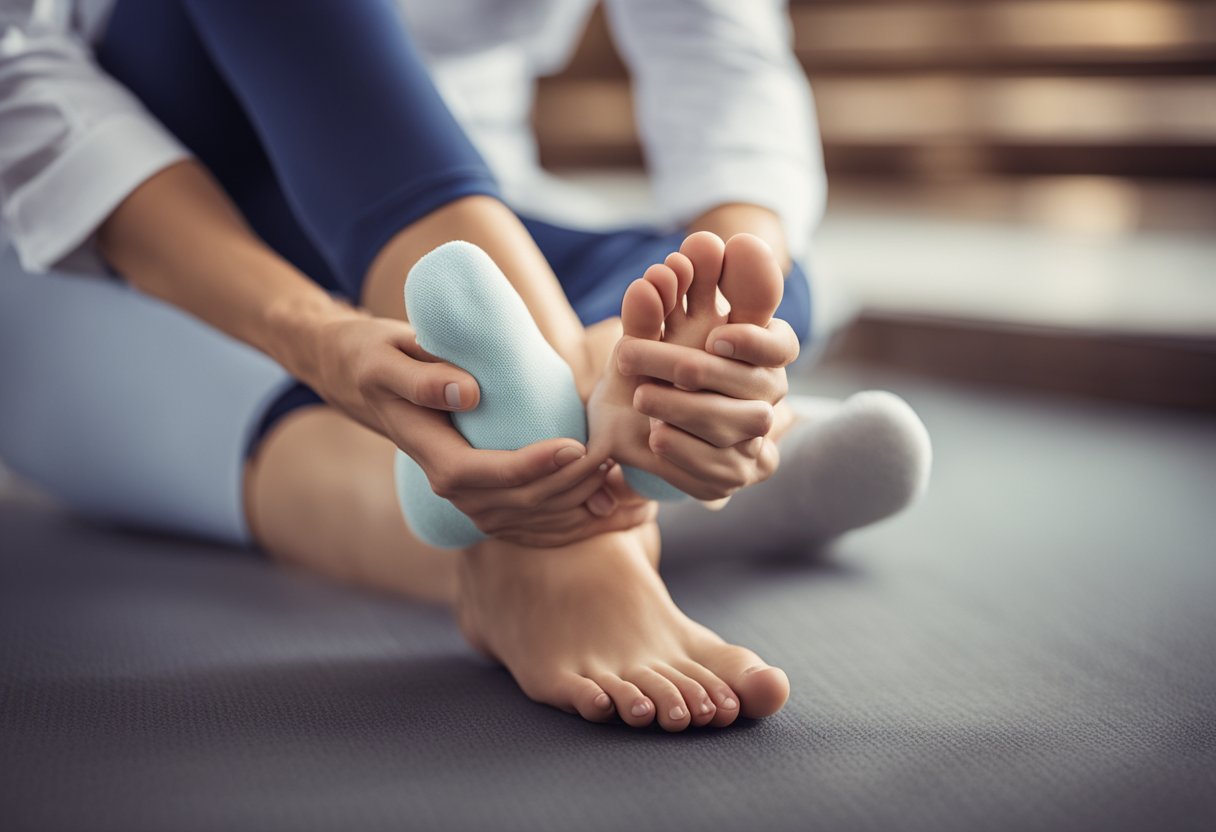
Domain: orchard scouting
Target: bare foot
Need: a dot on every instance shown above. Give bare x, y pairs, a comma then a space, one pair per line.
705, 284
591, 629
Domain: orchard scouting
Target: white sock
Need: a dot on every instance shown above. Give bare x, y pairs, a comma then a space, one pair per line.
844, 465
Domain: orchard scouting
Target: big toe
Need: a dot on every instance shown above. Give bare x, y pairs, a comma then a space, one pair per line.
762, 689
751, 281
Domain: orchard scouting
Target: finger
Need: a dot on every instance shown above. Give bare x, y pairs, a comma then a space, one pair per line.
452, 465
439, 386
719, 420
584, 527
569, 488
694, 369
773, 346
727, 468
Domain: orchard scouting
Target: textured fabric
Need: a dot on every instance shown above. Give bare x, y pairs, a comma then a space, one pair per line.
125, 408
339, 98
1033, 647
845, 465
696, 61
466, 312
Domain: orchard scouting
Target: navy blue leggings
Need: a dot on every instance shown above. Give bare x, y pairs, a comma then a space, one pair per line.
321, 122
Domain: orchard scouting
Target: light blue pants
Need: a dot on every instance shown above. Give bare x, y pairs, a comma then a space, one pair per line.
124, 408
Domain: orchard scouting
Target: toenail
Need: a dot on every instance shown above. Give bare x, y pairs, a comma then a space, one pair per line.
725, 348
677, 712
603, 701
641, 709
451, 394
706, 707
753, 669
729, 704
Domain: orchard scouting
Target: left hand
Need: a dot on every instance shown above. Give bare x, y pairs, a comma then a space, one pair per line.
712, 416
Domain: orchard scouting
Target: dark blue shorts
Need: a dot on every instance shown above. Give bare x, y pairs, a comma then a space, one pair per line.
321, 122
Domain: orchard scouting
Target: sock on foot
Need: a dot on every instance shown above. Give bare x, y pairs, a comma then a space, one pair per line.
844, 465
465, 311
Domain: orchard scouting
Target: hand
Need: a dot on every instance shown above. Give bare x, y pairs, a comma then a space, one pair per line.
550, 493
712, 416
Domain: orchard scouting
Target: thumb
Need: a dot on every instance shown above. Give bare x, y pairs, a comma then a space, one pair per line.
436, 385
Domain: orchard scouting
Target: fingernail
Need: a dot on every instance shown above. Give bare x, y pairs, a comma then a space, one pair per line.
568, 454
729, 704
641, 709
601, 504
451, 394
676, 713
654, 423
753, 669
725, 348
603, 467
603, 701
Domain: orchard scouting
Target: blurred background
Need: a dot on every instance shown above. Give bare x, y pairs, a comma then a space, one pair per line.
1021, 192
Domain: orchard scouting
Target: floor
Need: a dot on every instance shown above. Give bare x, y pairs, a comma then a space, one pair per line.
1032, 647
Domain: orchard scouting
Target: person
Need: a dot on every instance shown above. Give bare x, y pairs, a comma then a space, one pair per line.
229, 196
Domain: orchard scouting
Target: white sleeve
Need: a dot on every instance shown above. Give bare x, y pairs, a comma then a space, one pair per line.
73, 142
724, 110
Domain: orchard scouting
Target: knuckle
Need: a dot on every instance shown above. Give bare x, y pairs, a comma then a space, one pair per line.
644, 398
443, 484
781, 385
762, 419
688, 372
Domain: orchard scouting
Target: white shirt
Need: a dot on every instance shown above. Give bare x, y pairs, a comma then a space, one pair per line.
723, 109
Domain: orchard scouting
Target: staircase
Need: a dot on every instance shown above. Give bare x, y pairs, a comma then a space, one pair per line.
957, 88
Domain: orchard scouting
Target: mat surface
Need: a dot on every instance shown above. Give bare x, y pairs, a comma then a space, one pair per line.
1033, 647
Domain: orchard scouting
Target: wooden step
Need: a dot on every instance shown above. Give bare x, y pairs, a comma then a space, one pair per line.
1110, 36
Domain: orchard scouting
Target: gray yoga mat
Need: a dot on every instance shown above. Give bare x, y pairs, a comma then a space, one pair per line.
1033, 647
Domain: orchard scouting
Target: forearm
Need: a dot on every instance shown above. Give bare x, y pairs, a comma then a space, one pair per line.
179, 238
738, 218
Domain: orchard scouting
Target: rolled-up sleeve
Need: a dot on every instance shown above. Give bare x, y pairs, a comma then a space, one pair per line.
724, 110
73, 142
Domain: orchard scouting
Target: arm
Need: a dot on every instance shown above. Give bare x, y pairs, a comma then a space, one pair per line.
81, 159
725, 116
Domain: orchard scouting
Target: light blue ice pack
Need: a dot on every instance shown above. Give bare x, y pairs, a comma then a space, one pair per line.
465, 311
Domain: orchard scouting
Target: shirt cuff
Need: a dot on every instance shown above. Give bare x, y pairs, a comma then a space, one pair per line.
51, 215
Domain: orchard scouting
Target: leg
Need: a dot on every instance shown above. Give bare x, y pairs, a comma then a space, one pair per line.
371, 163
319, 496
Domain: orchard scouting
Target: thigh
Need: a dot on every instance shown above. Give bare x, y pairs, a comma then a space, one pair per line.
596, 267
151, 47
124, 408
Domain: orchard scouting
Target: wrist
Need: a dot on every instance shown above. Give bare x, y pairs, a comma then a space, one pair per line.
297, 325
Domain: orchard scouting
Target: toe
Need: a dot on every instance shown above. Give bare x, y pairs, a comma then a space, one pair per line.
682, 267
762, 689
700, 706
585, 697
642, 310
725, 700
633, 706
705, 251
665, 281
672, 710
751, 280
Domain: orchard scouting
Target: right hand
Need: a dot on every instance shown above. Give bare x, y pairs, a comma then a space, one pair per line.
550, 493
